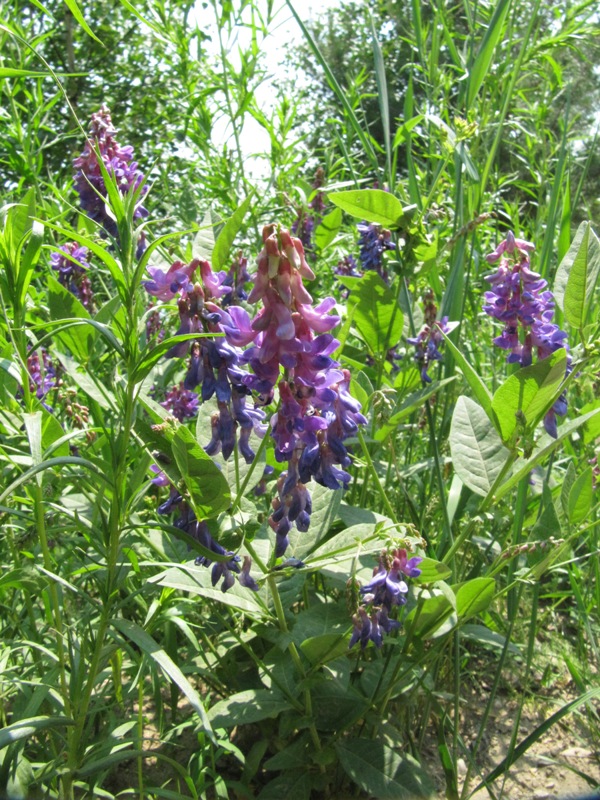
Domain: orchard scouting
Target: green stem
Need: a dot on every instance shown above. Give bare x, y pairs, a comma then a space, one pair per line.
373, 472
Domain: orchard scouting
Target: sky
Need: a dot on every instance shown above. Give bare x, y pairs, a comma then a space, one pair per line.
284, 31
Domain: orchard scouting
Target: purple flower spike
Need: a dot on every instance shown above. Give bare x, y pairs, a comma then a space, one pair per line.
71, 263
181, 403
520, 300
118, 161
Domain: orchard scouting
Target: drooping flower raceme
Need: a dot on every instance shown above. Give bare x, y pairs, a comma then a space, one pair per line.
373, 241
519, 298
316, 412
214, 363
429, 338
119, 163
71, 263
387, 589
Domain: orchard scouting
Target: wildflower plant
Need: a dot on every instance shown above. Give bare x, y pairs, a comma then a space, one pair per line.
266, 502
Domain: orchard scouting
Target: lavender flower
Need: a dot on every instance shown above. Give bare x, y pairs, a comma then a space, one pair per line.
520, 300
71, 263
373, 242
316, 413
181, 403
429, 337
41, 373
222, 570
236, 279
387, 589
119, 163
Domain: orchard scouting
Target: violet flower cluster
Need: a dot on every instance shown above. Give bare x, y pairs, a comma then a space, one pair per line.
71, 263
316, 412
42, 375
181, 403
373, 241
520, 300
224, 571
119, 163
214, 363
427, 341
387, 589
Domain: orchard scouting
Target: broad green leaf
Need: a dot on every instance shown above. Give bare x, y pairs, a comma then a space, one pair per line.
336, 707
548, 523
154, 352
321, 649
382, 772
88, 382
484, 636
591, 430
291, 785
580, 497
243, 708
577, 276
64, 305
432, 571
197, 580
208, 489
293, 755
204, 241
433, 610
153, 650
376, 314
544, 446
325, 503
28, 727
372, 205
530, 392
226, 237
474, 596
477, 451
327, 229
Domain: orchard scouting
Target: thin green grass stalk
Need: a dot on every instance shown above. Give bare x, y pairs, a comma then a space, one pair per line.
373, 472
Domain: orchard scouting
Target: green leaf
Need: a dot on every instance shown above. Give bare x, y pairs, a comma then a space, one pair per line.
433, 610
325, 504
146, 643
30, 258
243, 708
291, 785
327, 229
227, 235
376, 314
580, 497
75, 10
208, 489
530, 392
336, 707
28, 727
204, 241
321, 649
382, 772
64, 305
88, 382
12, 72
548, 523
477, 451
474, 596
483, 60
197, 580
154, 352
484, 636
372, 205
432, 571
577, 276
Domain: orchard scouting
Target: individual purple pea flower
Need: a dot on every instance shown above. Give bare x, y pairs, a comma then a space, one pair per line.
119, 163
181, 403
160, 479
166, 285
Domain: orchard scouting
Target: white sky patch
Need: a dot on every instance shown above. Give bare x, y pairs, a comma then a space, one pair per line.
284, 32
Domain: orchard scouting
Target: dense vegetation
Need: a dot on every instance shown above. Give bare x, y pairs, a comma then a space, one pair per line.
299, 448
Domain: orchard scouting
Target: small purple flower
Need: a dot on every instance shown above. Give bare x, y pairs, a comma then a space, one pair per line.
373, 242
41, 373
71, 263
160, 478
181, 403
